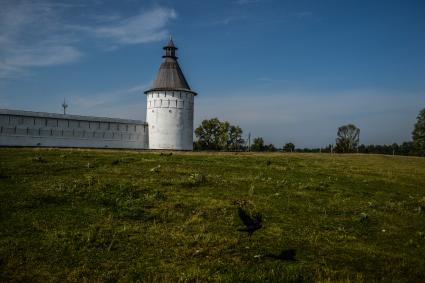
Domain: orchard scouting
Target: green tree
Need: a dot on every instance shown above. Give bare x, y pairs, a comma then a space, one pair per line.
258, 144
394, 148
208, 134
418, 134
289, 147
406, 148
223, 140
235, 141
214, 134
270, 147
347, 138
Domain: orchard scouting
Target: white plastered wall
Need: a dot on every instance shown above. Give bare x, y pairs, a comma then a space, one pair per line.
170, 118
24, 128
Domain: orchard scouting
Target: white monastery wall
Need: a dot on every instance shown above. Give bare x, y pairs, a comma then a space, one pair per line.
170, 119
25, 128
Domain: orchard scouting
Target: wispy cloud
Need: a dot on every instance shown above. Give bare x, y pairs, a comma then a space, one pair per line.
226, 21
145, 27
304, 14
42, 55
111, 98
44, 33
30, 36
129, 102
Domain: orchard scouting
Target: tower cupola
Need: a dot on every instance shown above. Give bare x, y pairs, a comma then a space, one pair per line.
170, 76
170, 49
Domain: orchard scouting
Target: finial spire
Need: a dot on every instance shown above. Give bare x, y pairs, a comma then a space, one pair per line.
64, 106
170, 49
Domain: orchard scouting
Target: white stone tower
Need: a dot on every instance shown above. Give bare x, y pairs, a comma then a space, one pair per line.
170, 106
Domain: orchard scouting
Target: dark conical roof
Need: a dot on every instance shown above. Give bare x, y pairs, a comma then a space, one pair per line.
170, 76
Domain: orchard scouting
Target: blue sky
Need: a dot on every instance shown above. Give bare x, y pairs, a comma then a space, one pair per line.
289, 71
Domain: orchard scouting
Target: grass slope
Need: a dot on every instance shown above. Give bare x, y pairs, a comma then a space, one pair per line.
104, 215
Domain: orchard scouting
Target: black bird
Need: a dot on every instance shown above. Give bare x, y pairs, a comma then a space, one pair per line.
166, 154
269, 162
288, 255
252, 223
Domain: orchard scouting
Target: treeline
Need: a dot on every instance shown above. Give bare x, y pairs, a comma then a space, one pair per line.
406, 148
214, 134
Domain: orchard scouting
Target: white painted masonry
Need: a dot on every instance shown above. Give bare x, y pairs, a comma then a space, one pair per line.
170, 119
26, 128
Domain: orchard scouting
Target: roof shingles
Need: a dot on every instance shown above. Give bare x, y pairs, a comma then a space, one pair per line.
170, 76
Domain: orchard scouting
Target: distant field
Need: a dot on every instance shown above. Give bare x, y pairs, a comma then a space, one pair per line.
110, 215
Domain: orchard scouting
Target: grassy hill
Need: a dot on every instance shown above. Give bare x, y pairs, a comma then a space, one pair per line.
105, 215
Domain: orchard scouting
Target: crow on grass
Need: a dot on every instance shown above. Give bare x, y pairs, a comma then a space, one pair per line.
252, 223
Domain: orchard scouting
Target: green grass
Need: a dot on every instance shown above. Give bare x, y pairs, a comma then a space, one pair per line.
105, 215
